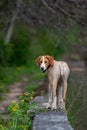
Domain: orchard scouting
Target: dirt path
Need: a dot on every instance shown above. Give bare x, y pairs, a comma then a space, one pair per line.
15, 90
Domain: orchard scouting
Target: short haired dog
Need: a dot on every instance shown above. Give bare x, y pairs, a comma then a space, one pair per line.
58, 72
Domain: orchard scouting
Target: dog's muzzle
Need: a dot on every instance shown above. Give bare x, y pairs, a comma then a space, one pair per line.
42, 69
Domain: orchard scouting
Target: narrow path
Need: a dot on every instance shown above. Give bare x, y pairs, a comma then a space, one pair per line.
15, 90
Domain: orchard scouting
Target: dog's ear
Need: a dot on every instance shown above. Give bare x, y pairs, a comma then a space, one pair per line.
38, 61
50, 58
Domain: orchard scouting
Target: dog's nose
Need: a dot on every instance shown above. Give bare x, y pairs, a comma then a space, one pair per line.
42, 68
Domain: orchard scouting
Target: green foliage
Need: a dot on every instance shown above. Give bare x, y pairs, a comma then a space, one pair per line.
70, 117
2, 127
19, 118
74, 104
20, 43
27, 43
17, 49
46, 43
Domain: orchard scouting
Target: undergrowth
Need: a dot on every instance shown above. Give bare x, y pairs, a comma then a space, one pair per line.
18, 116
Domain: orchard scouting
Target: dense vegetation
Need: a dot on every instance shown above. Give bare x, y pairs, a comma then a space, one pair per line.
18, 56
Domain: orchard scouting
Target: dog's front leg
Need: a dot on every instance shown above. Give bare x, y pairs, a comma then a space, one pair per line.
50, 93
54, 104
49, 96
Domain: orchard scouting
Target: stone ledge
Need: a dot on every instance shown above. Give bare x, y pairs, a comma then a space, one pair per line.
50, 120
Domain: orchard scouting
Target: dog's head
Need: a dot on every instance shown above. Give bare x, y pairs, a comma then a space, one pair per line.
44, 62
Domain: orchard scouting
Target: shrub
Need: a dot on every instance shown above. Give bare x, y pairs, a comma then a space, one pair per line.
19, 119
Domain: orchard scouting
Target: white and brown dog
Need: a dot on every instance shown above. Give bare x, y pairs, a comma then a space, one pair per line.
58, 72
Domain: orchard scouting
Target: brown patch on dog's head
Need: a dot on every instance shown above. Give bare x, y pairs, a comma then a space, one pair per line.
50, 59
38, 60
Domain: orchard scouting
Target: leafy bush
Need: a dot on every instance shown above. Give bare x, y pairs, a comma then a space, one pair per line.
20, 43
19, 118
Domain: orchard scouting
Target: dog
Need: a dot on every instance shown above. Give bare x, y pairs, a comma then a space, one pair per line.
58, 72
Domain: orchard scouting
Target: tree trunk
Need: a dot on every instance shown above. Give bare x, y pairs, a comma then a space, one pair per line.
10, 29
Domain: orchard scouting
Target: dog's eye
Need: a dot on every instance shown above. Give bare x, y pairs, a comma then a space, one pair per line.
45, 61
40, 61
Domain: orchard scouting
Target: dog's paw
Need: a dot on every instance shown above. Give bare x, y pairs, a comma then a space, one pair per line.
48, 105
54, 106
61, 105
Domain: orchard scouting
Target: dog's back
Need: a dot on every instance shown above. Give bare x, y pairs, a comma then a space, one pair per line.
60, 68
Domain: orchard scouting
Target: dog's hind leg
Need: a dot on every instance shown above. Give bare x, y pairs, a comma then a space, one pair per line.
61, 103
64, 90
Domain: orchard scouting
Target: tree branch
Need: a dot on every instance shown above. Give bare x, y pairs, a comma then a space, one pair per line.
67, 14
10, 29
64, 12
51, 9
